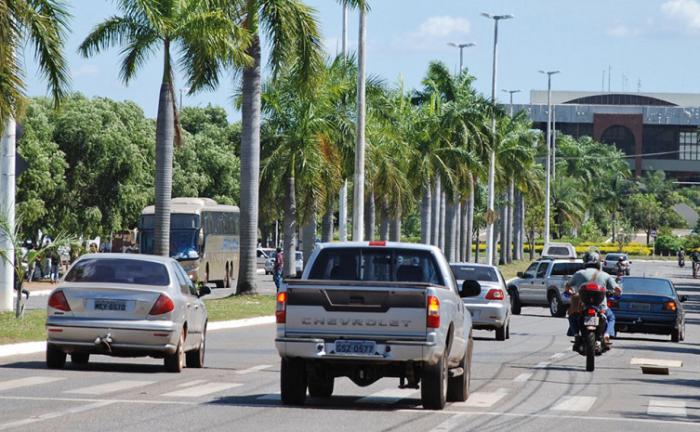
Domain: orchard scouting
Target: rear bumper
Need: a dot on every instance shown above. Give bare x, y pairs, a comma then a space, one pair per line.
127, 337
654, 324
488, 316
386, 351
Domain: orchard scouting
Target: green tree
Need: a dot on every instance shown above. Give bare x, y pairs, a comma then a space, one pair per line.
644, 212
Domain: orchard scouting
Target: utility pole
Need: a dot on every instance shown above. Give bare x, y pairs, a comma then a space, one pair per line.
7, 214
461, 52
490, 212
549, 154
343, 198
609, 75
358, 226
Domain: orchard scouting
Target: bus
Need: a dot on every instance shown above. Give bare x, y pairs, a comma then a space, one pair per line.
204, 238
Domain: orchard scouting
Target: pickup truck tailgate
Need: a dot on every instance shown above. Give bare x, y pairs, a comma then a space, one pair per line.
346, 310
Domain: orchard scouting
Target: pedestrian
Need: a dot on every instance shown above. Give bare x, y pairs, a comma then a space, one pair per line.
55, 258
278, 267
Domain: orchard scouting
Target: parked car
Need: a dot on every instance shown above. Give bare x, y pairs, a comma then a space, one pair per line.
611, 260
127, 305
262, 255
649, 305
369, 310
543, 284
491, 309
298, 258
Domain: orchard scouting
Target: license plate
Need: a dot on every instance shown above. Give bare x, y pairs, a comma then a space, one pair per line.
110, 305
354, 347
590, 321
640, 307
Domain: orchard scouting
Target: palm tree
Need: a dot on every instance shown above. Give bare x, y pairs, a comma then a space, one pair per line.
144, 27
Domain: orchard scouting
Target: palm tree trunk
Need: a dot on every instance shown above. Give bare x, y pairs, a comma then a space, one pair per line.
290, 227
165, 135
435, 214
450, 231
327, 223
250, 170
509, 225
470, 218
478, 245
370, 215
359, 186
395, 229
425, 215
465, 247
8, 145
309, 233
522, 225
443, 218
343, 212
384, 220
517, 244
458, 229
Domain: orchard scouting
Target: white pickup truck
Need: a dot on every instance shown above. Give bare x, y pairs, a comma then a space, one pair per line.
369, 310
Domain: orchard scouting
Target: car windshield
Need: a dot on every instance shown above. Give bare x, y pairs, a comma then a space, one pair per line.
642, 286
614, 257
119, 270
476, 273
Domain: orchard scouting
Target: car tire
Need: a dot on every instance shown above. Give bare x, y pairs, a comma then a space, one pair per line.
458, 387
433, 388
175, 362
556, 306
321, 386
508, 330
515, 305
195, 358
293, 381
675, 335
501, 333
55, 357
80, 358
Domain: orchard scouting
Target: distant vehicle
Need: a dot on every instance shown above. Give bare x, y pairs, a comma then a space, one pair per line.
543, 284
298, 258
611, 260
491, 309
127, 305
649, 305
262, 255
204, 238
559, 251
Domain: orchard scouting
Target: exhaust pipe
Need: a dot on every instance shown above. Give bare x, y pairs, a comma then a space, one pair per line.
105, 341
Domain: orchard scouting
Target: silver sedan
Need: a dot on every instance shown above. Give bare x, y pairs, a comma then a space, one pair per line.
128, 306
491, 309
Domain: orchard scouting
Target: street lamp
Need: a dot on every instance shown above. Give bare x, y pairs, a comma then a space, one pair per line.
548, 168
511, 93
461, 51
490, 213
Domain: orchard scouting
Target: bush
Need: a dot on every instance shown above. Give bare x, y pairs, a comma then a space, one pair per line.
668, 244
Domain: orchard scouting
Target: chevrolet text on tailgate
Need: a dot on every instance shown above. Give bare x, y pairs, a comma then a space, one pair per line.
369, 310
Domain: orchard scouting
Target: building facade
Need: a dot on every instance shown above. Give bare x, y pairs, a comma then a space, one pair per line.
657, 131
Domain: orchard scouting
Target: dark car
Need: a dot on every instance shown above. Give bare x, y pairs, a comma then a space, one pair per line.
649, 305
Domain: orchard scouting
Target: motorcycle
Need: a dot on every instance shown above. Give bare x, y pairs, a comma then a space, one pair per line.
589, 341
681, 261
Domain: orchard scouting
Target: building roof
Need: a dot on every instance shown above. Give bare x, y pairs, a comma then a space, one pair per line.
539, 97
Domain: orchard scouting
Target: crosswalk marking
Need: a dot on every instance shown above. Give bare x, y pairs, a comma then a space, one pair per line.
252, 369
665, 407
522, 378
388, 396
575, 403
26, 382
192, 383
109, 387
202, 390
484, 399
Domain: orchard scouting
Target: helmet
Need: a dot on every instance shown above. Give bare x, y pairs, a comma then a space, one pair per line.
621, 258
591, 259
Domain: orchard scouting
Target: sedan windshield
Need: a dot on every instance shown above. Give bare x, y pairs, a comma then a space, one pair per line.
475, 273
641, 286
119, 270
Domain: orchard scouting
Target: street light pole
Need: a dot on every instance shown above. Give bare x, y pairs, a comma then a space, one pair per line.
511, 93
490, 213
461, 51
548, 169
343, 195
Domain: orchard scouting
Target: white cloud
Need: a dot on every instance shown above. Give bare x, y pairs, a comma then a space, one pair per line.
86, 70
685, 11
432, 33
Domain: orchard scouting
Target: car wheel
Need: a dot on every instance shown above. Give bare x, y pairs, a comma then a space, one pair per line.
55, 357
195, 358
458, 387
675, 335
501, 333
227, 278
556, 306
515, 305
508, 330
433, 388
321, 385
175, 362
293, 381
80, 358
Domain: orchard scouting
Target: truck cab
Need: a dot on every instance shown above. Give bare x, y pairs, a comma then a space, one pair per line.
543, 284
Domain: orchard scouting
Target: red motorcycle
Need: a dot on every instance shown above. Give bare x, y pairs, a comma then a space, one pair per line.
591, 324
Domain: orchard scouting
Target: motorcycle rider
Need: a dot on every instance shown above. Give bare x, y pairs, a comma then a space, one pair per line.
681, 256
621, 266
593, 273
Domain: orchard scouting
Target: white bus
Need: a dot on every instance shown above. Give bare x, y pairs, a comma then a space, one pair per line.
204, 238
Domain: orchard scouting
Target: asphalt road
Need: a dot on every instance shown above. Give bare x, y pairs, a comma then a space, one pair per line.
532, 382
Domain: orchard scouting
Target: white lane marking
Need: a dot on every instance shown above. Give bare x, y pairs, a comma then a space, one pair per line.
451, 423
116, 386
53, 415
522, 377
26, 382
575, 403
22, 348
270, 397
542, 365
202, 390
121, 401
252, 369
665, 407
656, 362
192, 383
388, 396
483, 399
246, 322
558, 355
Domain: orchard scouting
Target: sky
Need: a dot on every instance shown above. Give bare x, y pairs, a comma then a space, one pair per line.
648, 44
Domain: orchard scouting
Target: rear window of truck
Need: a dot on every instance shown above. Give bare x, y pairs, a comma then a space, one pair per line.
566, 269
376, 265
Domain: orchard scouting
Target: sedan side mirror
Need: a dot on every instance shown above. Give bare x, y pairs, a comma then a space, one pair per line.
683, 298
204, 290
470, 288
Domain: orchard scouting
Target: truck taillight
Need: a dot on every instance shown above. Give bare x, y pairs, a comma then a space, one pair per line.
433, 312
495, 294
58, 301
281, 309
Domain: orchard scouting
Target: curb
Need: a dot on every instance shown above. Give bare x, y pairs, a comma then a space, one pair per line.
25, 348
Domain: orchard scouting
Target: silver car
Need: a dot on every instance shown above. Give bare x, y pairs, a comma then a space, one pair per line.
130, 306
298, 262
491, 309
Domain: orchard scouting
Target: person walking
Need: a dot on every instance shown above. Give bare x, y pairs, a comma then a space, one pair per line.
278, 268
55, 263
